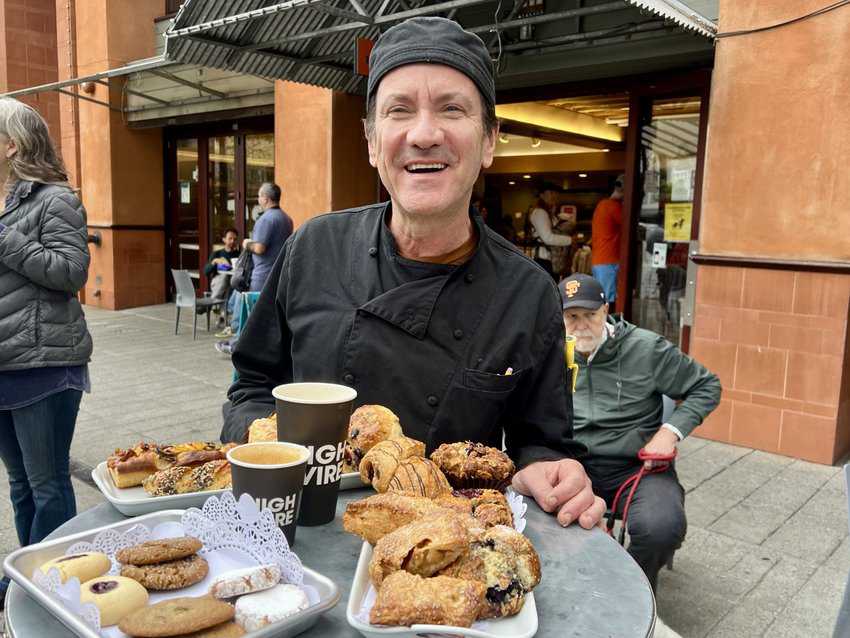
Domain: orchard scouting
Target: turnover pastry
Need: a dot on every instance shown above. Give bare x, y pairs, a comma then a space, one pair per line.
374, 517
214, 475
419, 477
263, 429
379, 464
489, 507
505, 562
405, 599
473, 465
422, 547
368, 426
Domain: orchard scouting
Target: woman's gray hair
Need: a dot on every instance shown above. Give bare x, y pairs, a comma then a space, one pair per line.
36, 159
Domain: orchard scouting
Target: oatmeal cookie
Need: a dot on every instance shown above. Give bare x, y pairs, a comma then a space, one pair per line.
159, 551
175, 574
177, 616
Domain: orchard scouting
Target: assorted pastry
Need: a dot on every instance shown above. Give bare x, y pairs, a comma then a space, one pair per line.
237, 601
171, 469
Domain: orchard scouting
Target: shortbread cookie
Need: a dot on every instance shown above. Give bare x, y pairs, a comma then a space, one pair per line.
159, 551
115, 597
174, 574
84, 566
238, 582
255, 611
177, 616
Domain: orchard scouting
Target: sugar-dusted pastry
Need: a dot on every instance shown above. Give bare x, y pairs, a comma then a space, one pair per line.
506, 563
237, 582
374, 517
419, 477
379, 464
214, 475
405, 599
368, 426
473, 465
422, 547
114, 596
84, 566
490, 507
255, 611
263, 429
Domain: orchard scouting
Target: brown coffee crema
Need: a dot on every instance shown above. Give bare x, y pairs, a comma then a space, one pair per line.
266, 454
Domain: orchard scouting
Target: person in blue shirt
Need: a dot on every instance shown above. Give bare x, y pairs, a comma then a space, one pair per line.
45, 344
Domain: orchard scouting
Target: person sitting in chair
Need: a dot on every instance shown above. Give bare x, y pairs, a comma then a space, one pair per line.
624, 372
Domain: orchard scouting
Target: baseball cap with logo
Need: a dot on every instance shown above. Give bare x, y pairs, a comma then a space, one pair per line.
581, 291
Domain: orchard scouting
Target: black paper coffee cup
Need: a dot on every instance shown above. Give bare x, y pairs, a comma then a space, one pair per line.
316, 416
272, 473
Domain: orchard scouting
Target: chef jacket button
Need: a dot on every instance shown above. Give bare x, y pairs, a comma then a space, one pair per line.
469, 277
348, 378
458, 334
373, 251
432, 400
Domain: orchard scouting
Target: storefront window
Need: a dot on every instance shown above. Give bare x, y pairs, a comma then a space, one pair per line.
186, 225
259, 168
668, 156
222, 193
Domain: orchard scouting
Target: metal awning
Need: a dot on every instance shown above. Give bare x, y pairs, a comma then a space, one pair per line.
222, 54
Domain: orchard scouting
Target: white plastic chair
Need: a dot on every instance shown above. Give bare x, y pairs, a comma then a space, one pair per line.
185, 297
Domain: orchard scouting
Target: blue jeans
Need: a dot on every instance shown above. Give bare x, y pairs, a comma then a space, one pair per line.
35, 444
606, 274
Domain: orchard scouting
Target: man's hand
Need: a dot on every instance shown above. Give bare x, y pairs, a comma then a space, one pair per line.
246, 244
664, 443
561, 487
220, 260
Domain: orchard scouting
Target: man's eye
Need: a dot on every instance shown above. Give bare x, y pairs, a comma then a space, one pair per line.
397, 110
453, 108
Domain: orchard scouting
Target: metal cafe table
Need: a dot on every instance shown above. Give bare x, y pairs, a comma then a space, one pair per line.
590, 586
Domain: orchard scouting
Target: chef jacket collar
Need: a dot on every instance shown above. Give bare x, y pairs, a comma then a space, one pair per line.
411, 305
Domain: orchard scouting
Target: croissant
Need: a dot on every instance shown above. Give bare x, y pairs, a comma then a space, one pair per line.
379, 464
214, 475
419, 477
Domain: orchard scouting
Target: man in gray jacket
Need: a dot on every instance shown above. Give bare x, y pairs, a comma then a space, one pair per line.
624, 371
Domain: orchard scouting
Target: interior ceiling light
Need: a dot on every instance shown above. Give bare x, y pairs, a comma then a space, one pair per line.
535, 142
512, 182
526, 176
582, 174
503, 138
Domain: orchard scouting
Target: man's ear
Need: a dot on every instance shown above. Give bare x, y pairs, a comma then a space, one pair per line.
373, 159
489, 148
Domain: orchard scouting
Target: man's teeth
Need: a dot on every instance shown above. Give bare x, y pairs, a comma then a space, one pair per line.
426, 167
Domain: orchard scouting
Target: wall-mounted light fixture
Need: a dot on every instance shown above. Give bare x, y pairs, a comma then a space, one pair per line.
503, 138
582, 174
526, 176
535, 142
512, 183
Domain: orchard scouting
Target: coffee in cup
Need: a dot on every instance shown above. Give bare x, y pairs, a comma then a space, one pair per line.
316, 415
272, 473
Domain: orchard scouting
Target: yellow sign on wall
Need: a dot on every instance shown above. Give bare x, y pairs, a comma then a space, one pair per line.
677, 221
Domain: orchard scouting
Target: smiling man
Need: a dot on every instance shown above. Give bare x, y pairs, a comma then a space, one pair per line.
414, 302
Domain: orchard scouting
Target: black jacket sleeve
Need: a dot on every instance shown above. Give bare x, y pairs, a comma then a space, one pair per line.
261, 356
541, 427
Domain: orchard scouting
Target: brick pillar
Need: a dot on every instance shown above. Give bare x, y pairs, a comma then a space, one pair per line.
775, 188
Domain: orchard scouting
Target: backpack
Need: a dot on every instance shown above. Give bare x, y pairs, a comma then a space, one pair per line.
240, 280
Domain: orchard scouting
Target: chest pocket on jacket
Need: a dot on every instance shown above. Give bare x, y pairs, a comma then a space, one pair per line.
475, 404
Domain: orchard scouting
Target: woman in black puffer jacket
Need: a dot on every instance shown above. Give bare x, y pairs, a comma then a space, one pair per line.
44, 343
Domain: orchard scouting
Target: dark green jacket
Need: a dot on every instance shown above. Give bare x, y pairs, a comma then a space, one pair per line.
618, 399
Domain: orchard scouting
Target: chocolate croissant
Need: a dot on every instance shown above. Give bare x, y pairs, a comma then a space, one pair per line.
379, 464
419, 477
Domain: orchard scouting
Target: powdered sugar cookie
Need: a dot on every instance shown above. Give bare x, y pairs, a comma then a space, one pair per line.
238, 582
255, 611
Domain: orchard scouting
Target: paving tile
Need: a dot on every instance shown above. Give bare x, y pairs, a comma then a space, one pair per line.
750, 523
803, 538
812, 610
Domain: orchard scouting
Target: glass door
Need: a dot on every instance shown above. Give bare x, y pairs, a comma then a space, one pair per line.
259, 168
185, 228
222, 188
666, 189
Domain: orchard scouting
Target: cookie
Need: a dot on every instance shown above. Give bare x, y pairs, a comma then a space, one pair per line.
84, 566
177, 616
159, 551
255, 611
238, 582
115, 597
224, 630
174, 574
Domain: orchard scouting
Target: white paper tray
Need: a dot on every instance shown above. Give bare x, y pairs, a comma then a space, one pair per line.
351, 481
133, 501
523, 625
20, 565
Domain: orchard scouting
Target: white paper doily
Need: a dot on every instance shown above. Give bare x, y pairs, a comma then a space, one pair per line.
223, 525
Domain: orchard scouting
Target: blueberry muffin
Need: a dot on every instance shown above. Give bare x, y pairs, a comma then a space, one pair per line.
474, 465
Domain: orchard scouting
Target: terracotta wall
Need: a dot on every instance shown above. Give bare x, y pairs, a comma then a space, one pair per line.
121, 169
28, 53
321, 161
775, 186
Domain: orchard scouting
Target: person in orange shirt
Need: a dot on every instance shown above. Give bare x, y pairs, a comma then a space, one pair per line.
607, 219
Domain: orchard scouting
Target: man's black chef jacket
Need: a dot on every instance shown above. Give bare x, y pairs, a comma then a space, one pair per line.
432, 342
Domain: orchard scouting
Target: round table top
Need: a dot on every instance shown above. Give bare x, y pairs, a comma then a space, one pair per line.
590, 587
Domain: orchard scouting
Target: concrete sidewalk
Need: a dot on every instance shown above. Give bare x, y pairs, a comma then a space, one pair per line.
767, 551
